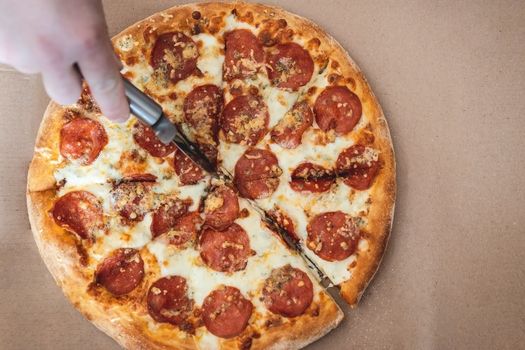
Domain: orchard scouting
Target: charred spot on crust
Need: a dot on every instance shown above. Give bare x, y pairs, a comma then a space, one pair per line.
351, 82
196, 15
315, 311
314, 43
333, 78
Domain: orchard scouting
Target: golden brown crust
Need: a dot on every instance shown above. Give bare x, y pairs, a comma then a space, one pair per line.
58, 250
317, 321
40, 175
57, 246
383, 190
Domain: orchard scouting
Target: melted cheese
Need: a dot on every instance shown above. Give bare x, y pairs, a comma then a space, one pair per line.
173, 185
211, 59
269, 254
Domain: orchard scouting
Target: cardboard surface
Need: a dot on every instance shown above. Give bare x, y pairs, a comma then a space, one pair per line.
451, 79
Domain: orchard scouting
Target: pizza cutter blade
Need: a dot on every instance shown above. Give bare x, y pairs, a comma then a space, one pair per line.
150, 113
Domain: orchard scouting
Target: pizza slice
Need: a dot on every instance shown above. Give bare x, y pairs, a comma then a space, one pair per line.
299, 133
249, 289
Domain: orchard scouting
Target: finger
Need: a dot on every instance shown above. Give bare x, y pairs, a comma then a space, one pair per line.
63, 85
102, 74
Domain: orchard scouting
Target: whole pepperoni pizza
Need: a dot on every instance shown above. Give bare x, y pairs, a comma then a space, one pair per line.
161, 255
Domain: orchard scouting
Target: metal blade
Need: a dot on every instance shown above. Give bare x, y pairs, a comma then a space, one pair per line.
193, 152
168, 132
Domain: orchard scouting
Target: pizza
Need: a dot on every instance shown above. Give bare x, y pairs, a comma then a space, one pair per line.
159, 254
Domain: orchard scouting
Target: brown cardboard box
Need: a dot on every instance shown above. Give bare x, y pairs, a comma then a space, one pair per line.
451, 79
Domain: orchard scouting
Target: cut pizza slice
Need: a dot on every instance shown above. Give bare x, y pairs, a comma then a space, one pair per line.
306, 140
249, 289
93, 242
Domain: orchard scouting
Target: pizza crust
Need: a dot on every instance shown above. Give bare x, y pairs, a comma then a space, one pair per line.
306, 330
57, 247
40, 175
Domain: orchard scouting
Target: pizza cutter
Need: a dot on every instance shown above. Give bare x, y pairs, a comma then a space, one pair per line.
150, 113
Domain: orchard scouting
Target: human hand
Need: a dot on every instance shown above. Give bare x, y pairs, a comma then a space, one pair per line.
51, 37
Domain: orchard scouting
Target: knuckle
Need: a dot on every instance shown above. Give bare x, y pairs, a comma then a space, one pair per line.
52, 59
104, 85
91, 38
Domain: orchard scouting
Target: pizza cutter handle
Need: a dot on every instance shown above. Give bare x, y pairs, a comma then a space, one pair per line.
141, 105
149, 112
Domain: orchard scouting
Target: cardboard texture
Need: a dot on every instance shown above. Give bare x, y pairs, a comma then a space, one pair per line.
451, 79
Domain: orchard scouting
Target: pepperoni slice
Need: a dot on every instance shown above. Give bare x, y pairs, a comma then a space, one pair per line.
337, 108
332, 236
221, 207
165, 217
121, 272
245, 120
189, 173
132, 200
175, 54
202, 108
168, 300
288, 291
284, 222
243, 55
225, 251
185, 229
226, 312
289, 131
82, 139
308, 177
79, 212
358, 165
257, 173
145, 137
289, 66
